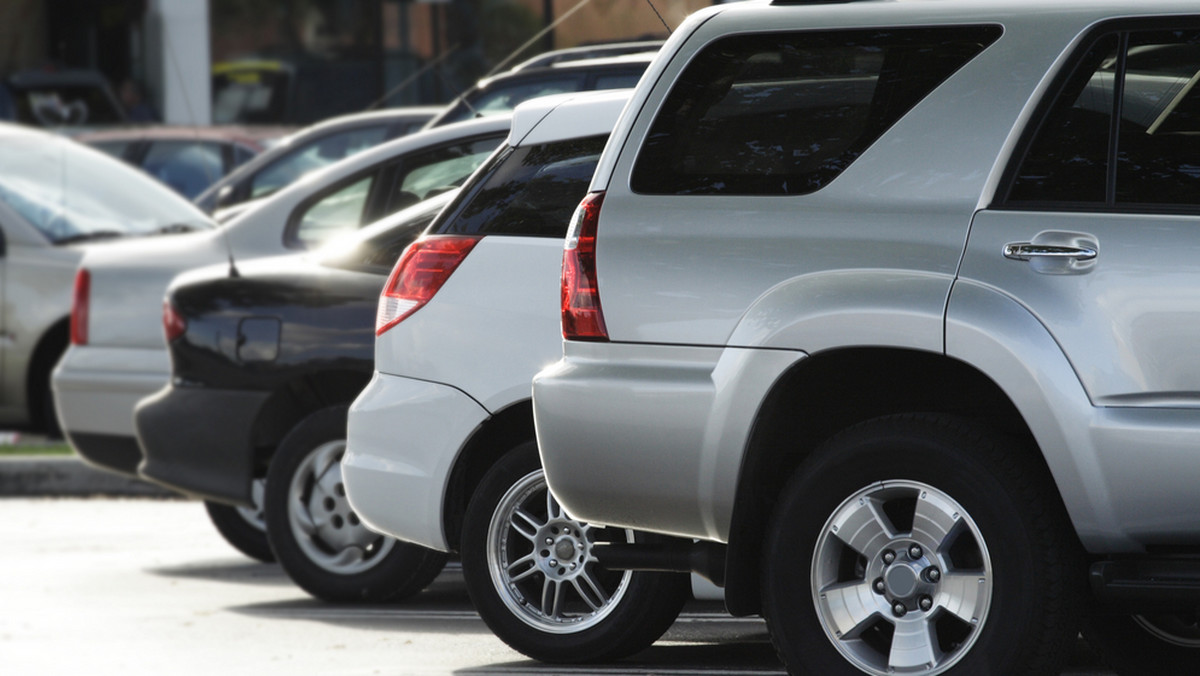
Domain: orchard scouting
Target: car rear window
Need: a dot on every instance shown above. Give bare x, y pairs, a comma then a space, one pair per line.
529, 191
785, 113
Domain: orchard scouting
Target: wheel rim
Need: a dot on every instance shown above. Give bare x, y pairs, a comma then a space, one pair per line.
901, 579
1179, 630
324, 526
254, 515
541, 562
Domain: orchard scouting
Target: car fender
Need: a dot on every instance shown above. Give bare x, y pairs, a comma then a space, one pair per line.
842, 308
1000, 338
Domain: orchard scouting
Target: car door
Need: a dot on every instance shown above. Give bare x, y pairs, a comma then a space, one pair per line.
1096, 224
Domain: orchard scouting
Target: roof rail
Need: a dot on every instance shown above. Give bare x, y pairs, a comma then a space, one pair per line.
813, 2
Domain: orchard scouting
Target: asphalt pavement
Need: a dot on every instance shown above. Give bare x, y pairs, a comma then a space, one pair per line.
63, 476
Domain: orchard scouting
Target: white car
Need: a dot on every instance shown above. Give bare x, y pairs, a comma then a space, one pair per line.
440, 445
59, 199
120, 356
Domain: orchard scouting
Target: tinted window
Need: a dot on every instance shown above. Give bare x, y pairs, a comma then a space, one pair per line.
186, 166
532, 191
1147, 82
784, 114
617, 80
116, 149
315, 155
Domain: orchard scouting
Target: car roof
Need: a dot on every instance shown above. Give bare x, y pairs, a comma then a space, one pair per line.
566, 116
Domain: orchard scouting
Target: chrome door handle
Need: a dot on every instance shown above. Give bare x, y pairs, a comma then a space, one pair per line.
1024, 251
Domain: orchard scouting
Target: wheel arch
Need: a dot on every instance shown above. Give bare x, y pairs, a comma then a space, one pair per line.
836, 389
48, 350
501, 432
295, 399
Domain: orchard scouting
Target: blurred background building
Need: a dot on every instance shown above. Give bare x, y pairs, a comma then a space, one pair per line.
299, 61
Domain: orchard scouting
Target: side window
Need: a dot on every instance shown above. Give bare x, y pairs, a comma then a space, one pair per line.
617, 80
115, 149
532, 192
240, 156
186, 166
786, 113
1123, 131
420, 177
337, 212
314, 155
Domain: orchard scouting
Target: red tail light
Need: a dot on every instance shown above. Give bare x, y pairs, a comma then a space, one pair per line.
582, 316
421, 271
174, 325
79, 307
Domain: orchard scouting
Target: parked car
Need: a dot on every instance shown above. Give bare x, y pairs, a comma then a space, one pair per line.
188, 159
501, 93
276, 354
58, 200
124, 357
308, 150
440, 448
59, 98
596, 51
891, 305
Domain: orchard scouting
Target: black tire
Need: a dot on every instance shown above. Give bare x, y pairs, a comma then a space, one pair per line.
239, 531
1146, 645
305, 477
999, 539
629, 621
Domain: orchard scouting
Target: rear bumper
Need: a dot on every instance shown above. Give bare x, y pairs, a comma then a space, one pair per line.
110, 452
651, 436
95, 390
403, 437
198, 441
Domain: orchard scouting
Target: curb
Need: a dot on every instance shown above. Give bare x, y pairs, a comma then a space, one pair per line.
56, 476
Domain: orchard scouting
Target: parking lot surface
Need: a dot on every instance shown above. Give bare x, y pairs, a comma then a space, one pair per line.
146, 586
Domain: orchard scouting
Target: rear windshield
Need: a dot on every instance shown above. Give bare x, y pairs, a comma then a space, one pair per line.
785, 113
529, 191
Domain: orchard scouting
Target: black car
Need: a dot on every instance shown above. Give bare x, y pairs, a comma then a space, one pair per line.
266, 357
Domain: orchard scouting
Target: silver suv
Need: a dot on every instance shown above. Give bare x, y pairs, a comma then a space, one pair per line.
892, 306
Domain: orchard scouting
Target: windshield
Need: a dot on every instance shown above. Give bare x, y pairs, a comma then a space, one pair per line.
70, 193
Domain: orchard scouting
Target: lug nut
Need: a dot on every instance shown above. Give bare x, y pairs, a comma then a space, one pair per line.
573, 566
879, 586
926, 603
915, 552
549, 541
888, 557
899, 609
932, 574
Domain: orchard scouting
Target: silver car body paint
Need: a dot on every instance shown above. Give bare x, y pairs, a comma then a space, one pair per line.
704, 293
